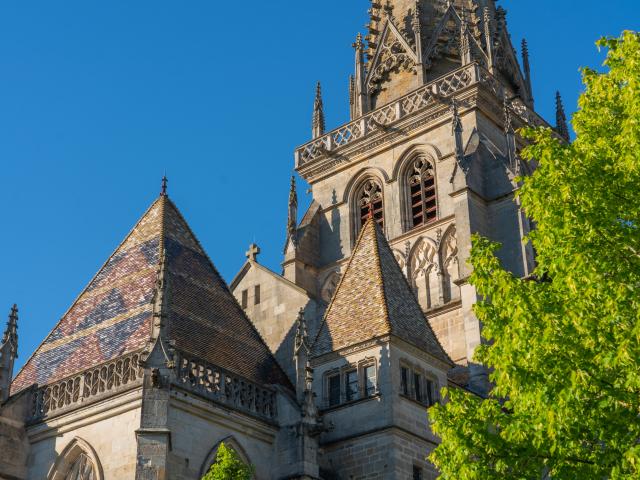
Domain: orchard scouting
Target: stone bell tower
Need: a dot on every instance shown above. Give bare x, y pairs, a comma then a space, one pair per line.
431, 152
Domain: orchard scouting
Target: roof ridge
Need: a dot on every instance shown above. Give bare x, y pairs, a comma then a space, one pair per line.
225, 285
335, 294
385, 303
408, 285
86, 288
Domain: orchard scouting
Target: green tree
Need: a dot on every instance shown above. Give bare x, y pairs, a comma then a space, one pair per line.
228, 466
564, 346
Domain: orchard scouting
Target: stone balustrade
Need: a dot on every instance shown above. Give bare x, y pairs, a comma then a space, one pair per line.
224, 387
432, 93
126, 372
74, 391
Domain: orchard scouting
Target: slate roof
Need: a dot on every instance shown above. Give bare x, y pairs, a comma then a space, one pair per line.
374, 299
113, 315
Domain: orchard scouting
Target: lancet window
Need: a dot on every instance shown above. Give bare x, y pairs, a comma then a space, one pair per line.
422, 191
370, 202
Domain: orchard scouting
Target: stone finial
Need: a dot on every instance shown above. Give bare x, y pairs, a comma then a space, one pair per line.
456, 131
526, 66
561, 119
11, 332
163, 189
302, 334
510, 137
292, 218
8, 353
253, 252
358, 44
301, 355
318, 125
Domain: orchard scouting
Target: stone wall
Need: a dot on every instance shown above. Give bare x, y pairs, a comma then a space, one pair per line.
275, 314
108, 427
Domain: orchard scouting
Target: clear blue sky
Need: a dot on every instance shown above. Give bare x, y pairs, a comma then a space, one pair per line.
98, 99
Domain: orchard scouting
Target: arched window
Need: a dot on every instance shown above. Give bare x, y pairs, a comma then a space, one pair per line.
78, 461
422, 192
230, 443
370, 199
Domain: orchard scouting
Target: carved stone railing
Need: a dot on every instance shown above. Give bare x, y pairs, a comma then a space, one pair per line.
430, 94
224, 387
91, 384
126, 372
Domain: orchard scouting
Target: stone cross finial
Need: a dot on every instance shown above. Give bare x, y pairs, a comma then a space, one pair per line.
163, 190
253, 252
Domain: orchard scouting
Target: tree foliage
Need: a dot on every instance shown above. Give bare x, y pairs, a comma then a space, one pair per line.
228, 466
563, 347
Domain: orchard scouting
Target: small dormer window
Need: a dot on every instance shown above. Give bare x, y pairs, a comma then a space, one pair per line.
256, 295
245, 299
369, 380
351, 383
334, 390
417, 386
404, 380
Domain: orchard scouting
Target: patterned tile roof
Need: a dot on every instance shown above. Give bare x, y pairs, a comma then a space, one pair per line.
374, 299
112, 316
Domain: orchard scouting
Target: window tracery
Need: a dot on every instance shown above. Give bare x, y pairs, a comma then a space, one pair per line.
82, 469
78, 461
424, 273
422, 188
449, 251
370, 202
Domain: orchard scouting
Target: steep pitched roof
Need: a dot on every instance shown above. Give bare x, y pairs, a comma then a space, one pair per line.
113, 315
374, 299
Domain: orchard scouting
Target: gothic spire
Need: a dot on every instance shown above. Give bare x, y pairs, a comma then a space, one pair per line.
8, 353
527, 68
11, 332
488, 37
318, 114
561, 119
360, 98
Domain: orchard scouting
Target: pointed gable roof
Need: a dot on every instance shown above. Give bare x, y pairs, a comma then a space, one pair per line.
113, 315
374, 299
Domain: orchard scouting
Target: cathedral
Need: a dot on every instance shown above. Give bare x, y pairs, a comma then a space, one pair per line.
326, 369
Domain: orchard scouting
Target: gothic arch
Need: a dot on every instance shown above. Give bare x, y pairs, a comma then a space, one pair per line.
359, 177
78, 461
402, 260
355, 191
415, 161
424, 272
450, 267
230, 442
426, 149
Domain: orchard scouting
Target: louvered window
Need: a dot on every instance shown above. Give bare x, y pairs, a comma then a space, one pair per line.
422, 186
